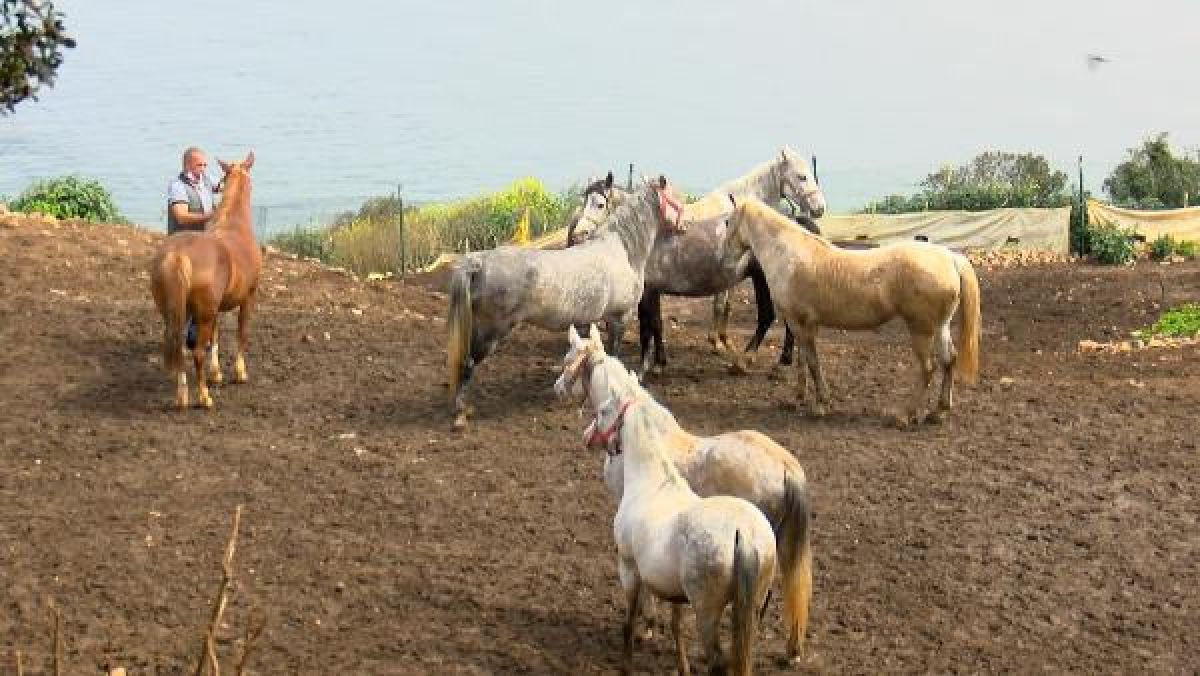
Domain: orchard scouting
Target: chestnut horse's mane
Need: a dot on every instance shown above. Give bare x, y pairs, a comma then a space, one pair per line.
235, 200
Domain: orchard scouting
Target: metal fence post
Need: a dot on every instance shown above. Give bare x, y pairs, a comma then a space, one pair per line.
400, 204
629, 184
1082, 213
816, 179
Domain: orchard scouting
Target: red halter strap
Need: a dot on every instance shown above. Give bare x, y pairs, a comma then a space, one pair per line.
665, 200
605, 437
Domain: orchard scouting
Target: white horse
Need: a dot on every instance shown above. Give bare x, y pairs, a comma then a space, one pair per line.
746, 464
709, 552
494, 291
815, 284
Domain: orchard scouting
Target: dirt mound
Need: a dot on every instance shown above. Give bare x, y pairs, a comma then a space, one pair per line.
1052, 518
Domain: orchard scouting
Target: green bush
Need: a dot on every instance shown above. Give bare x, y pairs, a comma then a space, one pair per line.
306, 242
1183, 321
1162, 248
1110, 244
69, 197
1185, 248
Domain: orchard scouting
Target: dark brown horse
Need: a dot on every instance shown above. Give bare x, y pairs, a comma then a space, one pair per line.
201, 274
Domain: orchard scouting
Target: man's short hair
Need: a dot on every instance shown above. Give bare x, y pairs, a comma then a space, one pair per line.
188, 153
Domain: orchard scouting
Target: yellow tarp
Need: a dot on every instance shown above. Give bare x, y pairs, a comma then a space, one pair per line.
1027, 228
1178, 223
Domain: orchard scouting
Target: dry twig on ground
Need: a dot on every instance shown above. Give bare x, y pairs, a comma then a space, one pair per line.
208, 649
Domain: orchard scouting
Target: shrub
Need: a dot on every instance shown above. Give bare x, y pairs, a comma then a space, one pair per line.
69, 197
1162, 248
1183, 321
1185, 248
369, 239
1110, 244
306, 242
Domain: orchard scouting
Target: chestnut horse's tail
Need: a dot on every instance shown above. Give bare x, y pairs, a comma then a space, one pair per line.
173, 281
967, 363
459, 322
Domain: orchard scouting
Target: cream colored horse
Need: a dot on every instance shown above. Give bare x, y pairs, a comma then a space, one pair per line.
814, 284
745, 464
709, 552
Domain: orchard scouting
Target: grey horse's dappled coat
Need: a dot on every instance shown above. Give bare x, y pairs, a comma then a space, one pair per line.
491, 292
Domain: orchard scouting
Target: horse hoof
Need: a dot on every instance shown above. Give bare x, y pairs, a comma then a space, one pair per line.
819, 411
460, 421
205, 403
936, 417
215, 378
181, 404
657, 370
738, 368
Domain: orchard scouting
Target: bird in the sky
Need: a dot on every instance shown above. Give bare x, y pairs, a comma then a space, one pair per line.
1094, 61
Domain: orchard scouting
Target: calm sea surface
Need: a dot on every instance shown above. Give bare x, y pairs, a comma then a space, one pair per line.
448, 99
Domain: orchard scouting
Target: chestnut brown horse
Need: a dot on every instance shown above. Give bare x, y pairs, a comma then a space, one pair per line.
202, 274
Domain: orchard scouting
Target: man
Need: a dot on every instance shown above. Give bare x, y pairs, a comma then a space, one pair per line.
190, 195
190, 205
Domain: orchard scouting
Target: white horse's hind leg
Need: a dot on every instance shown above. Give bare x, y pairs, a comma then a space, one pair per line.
708, 620
681, 658
946, 355
632, 584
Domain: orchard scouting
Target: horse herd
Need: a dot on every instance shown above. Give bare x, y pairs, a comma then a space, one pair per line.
625, 250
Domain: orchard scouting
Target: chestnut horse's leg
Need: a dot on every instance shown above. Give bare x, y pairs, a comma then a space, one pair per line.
206, 319
214, 362
243, 337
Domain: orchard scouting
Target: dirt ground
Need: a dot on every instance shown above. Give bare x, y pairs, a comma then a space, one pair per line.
1049, 525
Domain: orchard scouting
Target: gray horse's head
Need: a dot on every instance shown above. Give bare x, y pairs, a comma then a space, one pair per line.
598, 200
670, 204
600, 212
798, 184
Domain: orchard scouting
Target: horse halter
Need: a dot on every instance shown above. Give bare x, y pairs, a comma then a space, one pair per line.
785, 181
581, 366
665, 200
606, 437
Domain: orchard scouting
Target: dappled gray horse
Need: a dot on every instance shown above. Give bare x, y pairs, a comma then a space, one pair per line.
687, 264
491, 292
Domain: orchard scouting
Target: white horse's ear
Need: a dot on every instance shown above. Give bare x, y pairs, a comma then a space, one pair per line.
594, 335
573, 337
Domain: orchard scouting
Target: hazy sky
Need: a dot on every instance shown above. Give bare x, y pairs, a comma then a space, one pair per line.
456, 97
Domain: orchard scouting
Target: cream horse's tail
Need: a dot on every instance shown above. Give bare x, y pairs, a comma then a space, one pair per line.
794, 539
459, 319
966, 366
745, 612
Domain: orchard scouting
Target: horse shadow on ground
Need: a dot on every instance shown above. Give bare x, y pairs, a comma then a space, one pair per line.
122, 379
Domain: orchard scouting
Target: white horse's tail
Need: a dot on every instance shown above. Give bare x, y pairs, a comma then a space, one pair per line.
966, 366
458, 320
794, 544
745, 615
